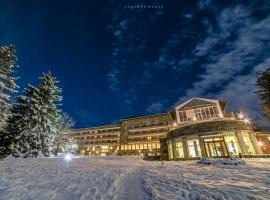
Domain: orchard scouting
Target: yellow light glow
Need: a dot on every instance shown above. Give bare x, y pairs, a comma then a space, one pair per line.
174, 124
241, 116
260, 143
247, 120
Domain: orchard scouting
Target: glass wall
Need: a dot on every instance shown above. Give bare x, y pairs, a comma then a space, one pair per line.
248, 143
194, 149
170, 150
232, 144
179, 153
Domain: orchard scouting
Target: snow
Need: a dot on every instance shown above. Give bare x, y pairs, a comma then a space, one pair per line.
131, 178
226, 161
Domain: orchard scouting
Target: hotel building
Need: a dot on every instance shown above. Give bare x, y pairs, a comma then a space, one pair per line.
196, 128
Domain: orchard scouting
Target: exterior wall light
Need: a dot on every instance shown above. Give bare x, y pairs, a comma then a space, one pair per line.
247, 120
241, 116
260, 143
194, 118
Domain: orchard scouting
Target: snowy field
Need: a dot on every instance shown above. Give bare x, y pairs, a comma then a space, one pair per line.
131, 178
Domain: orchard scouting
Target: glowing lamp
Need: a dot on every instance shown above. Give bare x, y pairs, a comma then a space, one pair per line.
247, 120
241, 116
174, 124
194, 118
260, 143
68, 157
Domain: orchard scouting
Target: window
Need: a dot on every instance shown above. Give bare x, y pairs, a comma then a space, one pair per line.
198, 114
170, 150
179, 150
232, 144
248, 143
182, 116
206, 112
194, 148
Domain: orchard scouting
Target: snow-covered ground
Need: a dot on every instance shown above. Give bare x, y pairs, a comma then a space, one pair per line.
130, 178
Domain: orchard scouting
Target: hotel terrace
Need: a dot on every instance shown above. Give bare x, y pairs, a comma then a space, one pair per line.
197, 128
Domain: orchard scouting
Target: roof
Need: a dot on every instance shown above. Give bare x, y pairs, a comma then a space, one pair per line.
197, 102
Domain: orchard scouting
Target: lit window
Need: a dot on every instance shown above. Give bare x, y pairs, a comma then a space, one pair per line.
179, 150
248, 143
170, 150
194, 148
232, 144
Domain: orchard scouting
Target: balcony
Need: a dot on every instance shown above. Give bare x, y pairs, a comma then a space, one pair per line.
148, 134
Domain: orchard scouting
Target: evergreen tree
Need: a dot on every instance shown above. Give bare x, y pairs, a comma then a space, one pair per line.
33, 123
263, 82
7, 81
21, 137
48, 112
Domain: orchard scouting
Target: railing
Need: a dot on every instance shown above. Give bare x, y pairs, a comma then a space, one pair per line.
147, 134
147, 127
227, 116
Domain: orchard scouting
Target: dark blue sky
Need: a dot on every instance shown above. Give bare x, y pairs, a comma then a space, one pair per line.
114, 62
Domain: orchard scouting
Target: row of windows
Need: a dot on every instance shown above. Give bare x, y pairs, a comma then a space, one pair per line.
146, 138
149, 125
98, 137
140, 146
98, 131
149, 131
100, 142
215, 147
206, 112
200, 114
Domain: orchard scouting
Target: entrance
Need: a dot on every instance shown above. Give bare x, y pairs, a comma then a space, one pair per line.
215, 147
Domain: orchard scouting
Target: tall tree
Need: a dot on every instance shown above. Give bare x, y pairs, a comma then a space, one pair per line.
34, 120
21, 136
48, 112
7, 81
62, 139
263, 82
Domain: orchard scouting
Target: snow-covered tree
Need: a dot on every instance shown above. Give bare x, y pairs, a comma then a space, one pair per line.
7, 81
33, 122
47, 110
21, 136
62, 139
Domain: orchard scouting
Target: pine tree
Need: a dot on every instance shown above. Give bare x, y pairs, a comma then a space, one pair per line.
48, 112
7, 81
263, 82
21, 136
33, 123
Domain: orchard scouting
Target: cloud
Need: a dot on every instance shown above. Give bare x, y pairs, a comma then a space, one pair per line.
155, 108
234, 53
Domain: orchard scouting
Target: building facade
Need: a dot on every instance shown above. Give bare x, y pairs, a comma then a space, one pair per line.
196, 128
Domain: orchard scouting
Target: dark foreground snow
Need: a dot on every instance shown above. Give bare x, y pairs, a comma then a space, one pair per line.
131, 178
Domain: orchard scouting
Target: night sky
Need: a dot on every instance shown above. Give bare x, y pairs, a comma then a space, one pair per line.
115, 61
